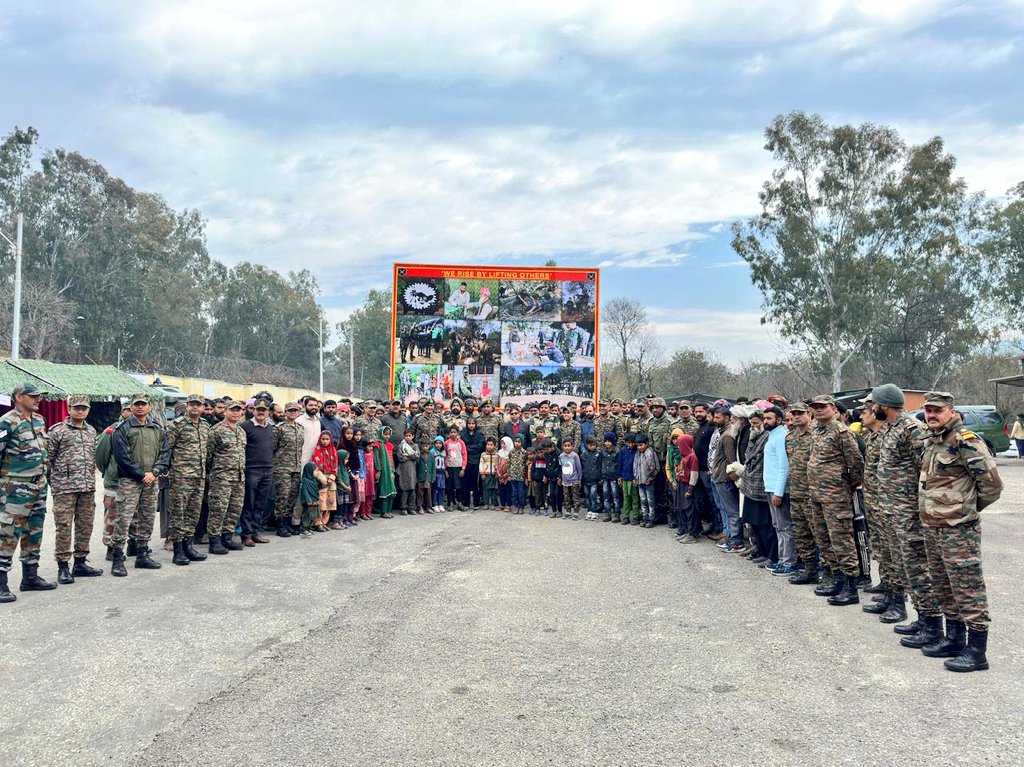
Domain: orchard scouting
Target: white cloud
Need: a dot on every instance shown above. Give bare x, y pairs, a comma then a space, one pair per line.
734, 335
726, 264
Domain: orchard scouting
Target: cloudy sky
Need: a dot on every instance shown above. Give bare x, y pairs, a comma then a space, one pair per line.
625, 134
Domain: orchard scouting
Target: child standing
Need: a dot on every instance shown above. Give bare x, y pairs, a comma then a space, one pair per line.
569, 480
369, 482
489, 475
344, 493
610, 478
405, 459
684, 477
539, 478
455, 457
554, 473
437, 453
425, 476
325, 456
309, 495
626, 481
517, 475
645, 468
590, 463
504, 484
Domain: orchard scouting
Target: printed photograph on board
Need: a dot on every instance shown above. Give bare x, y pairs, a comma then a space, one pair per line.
413, 382
471, 300
421, 295
471, 342
560, 385
419, 339
579, 300
547, 344
531, 300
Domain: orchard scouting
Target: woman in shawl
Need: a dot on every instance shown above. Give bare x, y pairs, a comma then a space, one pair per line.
325, 456
501, 467
344, 517
386, 491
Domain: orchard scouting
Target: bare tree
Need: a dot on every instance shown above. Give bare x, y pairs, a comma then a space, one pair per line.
635, 342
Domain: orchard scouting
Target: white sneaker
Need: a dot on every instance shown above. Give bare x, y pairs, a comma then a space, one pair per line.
440, 508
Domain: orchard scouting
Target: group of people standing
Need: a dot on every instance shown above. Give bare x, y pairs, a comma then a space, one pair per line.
776, 482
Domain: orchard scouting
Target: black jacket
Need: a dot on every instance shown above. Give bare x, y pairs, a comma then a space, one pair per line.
122, 441
475, 442
590, 463
702, 443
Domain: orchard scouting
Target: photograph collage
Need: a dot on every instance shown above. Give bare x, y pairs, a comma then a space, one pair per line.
503, 340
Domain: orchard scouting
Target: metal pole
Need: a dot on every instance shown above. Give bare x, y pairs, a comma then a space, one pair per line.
351, 359
321, 337
16, 325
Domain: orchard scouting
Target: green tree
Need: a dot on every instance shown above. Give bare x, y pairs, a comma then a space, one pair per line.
370, 328
1003, 249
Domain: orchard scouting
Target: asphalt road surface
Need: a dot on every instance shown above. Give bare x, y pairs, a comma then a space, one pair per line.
485, 639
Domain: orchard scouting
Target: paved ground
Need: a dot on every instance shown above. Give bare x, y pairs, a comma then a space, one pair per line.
485, 638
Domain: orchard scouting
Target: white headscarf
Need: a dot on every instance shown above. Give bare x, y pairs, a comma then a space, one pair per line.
506, 447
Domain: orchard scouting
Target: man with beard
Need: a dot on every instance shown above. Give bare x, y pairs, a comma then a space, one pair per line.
805, 537
488, 422
707, 508
776, 485
454, 417
277, 410
396, 419
659, 429
641, 417
728, 494
330, 422
587, 428
605, 422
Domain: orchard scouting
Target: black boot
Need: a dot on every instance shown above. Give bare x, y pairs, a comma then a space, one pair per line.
951, 645
805, 577
179, 554
829, 585
847, 592
83, 570
283, 529
897, 609
144, 562
228, 541
931, 632
5, 593
30, 580
191, 552
110, 554
64, 576
216, 546
133, 548
880, 588
117, 569
972, 658
877, 608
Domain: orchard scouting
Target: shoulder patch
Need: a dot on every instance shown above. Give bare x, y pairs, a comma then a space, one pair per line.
968, 434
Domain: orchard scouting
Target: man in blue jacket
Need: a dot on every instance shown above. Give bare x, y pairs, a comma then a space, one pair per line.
776, 480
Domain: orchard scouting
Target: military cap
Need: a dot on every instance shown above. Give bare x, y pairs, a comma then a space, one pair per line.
799, 407
292, 406
939, 399
28, 388
544, 402
486, 402
197, 398
140, 397
618, 401
823, 399
683, 403
657, 402
78, 399
889, 395
234, 405
640, 401
261, 403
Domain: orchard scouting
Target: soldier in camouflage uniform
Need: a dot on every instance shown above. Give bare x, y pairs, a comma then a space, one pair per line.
225, 466
288, 437
798, 450
140, 449
834, 469
426, 426
187, 437
871, 434
685, 420
454, 417
71, 466
569, 429
605, 422
658, 431
547, 420
641, 417
108, 468
370, 423
899, 464
22, 489
958, 480
488, 422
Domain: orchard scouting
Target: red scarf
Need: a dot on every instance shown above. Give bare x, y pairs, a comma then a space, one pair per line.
326, 458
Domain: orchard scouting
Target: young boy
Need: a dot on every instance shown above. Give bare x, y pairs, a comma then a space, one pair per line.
569, 481
590, 468
425, 476
455, 457
626, 482
489, 475
517, 474
610, 478
554, 473
437, 453
539, 478
645, 469
406, 456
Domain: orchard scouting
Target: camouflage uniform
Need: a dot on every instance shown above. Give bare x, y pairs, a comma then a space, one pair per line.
550, 424
138, 448
605, 424
899, 465
570, 430
489, 426
187, 441
958, 479
426, 426
658, 431
876, 527
834, 468
71, 466
225, 463
22, 487
449, 420
288, 437
688, 425
798, 450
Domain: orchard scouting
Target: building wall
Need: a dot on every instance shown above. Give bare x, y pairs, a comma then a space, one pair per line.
242, 392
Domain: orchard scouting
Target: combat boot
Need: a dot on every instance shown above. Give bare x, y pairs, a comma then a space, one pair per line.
228, 541
877, 608
64, 576
847, 592
829, 585
931, 632
191, 552
283, 529
972, 657
5, 593
879, 588
117, 569
805, 577
897, 609
83, 570
30, 580
110, 554
216, 546
179, 554
145, 562
133, 548
951, 645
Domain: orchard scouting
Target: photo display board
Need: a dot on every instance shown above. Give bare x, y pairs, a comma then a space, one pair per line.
498, 333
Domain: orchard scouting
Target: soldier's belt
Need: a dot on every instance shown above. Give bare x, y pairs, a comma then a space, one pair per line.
25, 477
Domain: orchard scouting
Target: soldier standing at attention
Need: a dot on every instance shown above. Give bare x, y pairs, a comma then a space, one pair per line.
605, 422
225, 465
568, 429
187, 438
834, 469
108, 469
488, 422
659, 430
872, 437
426, 426
958, 479
22, 489
798, 450
287, 466
71, 466
142, 455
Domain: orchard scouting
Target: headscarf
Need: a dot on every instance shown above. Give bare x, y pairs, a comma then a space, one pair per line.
326, 456
506, 447
343, 475
352, 449
309, 488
